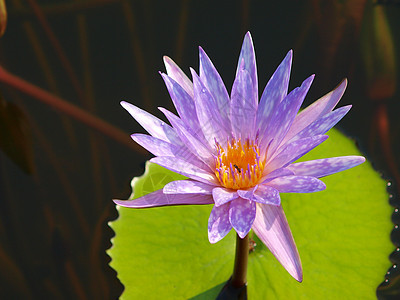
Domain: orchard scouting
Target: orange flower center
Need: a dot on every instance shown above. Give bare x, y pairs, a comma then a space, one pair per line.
239, 166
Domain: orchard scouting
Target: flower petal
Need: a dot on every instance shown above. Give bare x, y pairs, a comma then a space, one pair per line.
212, 80
326, 166
191, 139
155, 145
297, 184
241, 215
322, 125
161, 148
158, 198
152, 125
218, 223
316, 110
265, 194
247, 194
293, 151
247, 61
177, 74
211, 123
262, 194
222, 195
243, 108
184, 104
188, 187
275, 90
186, 169
271, 226
284, 116
276, 173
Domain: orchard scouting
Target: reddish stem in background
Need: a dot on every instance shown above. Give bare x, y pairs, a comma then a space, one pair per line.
69, 109
58, 48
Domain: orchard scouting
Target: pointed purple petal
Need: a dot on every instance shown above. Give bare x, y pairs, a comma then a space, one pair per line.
158, 198
191, 139
186, 169
161, 148
248, 57
188, 187
262, 194
275, 90
176, 73
273, 230
265, 194
276, 173
297, 184
247, 194
184, 104
243, 108
326, 166
284, 115
241, 215
316, 110
212, 80
210, 121
154, 145
152, 125
322, 125
218, 223
293, 151
222, 195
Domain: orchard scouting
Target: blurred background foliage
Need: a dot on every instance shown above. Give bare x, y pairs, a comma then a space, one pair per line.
64, 67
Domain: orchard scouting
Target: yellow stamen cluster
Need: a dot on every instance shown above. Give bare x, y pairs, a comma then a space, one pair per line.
239, 166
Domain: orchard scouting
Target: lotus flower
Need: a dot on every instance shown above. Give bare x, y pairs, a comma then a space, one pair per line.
237, 151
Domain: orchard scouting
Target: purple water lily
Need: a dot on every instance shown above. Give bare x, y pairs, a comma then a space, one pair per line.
237, 151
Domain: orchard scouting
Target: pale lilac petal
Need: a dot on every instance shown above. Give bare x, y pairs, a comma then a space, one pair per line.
186, 169
223, 195
262, 194
247, 61
176, 73
158, 198
316, 110
293, 151
241, 215
243, 108
297, 184
247, 194
218, 223
212, 80
188, 187
161, 148
275, 90
184, 104
265, 194
152, 125
192, 141
276, 173
284, 116
210, 121
271, 226
326, 166
154, 145
322, 125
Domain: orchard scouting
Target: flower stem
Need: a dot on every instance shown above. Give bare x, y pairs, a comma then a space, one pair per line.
236, 288
239, 277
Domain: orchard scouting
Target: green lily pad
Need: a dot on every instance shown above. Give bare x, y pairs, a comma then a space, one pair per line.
342, 235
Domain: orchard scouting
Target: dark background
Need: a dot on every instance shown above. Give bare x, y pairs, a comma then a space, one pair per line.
58, 176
